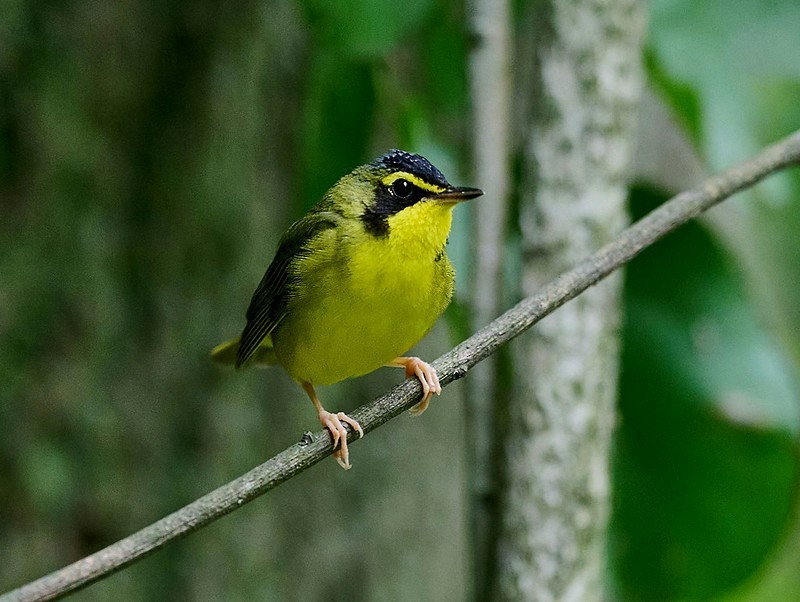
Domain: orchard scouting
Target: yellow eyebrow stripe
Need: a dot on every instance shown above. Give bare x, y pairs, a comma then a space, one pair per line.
389, 180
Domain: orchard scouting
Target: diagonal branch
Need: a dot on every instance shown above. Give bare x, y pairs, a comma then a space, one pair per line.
451, 366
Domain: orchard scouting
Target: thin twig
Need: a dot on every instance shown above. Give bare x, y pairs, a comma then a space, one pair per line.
451, 366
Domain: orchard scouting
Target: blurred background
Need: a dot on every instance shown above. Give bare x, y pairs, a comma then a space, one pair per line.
152, 153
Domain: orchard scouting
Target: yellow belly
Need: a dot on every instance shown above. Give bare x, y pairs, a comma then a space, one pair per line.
346, 332
352, 317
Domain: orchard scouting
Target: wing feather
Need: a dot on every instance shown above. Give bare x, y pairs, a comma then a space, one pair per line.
270, 302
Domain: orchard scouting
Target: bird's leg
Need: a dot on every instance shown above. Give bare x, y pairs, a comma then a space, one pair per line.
333, 422
427, 377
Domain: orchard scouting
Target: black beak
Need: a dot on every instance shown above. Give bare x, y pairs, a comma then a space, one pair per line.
456, 194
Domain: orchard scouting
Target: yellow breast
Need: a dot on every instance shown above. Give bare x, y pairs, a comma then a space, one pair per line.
367, 299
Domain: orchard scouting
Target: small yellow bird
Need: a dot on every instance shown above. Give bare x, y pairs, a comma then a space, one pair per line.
355, 283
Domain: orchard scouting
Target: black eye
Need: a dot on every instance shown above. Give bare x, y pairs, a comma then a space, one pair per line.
402, 189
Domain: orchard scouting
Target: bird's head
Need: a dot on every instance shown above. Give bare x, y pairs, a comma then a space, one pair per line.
398, 184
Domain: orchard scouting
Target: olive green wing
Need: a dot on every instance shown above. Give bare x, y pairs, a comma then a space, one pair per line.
270, 302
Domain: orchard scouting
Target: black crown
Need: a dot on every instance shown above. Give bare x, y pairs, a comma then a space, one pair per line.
416, 165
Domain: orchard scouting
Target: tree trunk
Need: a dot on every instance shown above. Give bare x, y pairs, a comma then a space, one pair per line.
490, 91
578, 129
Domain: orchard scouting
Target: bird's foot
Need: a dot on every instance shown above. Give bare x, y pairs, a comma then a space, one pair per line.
334, 423
426, 374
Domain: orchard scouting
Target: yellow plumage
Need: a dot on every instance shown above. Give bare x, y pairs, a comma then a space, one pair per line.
368, 299
356, 282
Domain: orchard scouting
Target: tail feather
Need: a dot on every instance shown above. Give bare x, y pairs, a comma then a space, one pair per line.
225, 353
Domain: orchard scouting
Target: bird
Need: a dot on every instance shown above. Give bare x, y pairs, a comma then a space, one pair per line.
355, 283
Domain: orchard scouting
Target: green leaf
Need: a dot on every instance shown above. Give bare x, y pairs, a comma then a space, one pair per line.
704, 461
681, 97
739, 60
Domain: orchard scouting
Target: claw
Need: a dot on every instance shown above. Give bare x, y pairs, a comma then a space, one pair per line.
426, 374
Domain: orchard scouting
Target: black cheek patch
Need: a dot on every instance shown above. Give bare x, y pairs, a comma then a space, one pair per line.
375, 224
376, 216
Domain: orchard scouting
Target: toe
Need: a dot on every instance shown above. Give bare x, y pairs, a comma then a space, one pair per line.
423, 380
329, 422
343, 458
353, 423
429, 380
438, 387
343, 461
429, 374
333, 422
420, 407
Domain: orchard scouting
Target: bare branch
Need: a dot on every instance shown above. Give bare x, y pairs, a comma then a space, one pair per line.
451, 366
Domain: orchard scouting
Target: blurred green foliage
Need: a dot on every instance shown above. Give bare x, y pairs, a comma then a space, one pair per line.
707, 452
709, 424
151, 153
363, 27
